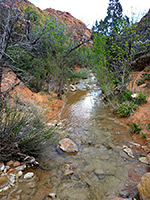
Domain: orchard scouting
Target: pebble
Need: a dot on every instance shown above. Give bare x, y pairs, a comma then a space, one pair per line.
29, 175
2, 166
68, 146
19, 173
10, 163
68, 172
21, 167
128, 151
52, 195
16, 164
143, 160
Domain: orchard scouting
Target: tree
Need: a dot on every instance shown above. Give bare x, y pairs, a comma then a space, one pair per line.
112, 20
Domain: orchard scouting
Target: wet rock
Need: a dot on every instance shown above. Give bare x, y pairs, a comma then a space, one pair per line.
128, 151
52, 195
143, 160
68, 172
21, 167
29, 175
144, 187
68, 146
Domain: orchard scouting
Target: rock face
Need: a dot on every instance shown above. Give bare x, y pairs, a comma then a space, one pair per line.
68, 146
144, 187
70, 21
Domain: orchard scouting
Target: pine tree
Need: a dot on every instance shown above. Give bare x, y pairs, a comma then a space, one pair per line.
112, 20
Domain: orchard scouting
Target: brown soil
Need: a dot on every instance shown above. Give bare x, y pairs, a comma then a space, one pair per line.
50, 104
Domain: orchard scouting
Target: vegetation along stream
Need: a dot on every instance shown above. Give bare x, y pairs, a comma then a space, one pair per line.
101, 170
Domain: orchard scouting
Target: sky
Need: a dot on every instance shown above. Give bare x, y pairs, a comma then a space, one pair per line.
89, 11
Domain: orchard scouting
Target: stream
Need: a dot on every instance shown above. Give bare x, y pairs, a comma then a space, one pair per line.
101, 170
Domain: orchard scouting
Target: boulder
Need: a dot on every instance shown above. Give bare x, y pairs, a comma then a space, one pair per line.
144, 187
68, 146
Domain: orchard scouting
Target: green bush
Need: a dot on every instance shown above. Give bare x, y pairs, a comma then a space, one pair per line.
148, 125
135, 128
141, 99
21, 129
126, 108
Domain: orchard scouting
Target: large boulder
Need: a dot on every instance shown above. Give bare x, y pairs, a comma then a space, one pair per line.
68, 146
144, 187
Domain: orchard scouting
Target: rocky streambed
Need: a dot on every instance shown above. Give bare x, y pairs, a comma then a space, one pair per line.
98, 159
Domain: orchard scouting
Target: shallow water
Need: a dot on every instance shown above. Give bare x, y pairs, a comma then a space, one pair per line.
101, 170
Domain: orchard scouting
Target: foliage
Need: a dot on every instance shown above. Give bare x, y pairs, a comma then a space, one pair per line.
21, 129
148, 125
144, 77
135, 128
126, 108
140, 99
82, 74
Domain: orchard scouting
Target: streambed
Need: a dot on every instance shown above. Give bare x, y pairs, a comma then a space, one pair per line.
100, 170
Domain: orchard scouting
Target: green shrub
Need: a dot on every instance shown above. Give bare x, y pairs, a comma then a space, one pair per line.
126, 108
135, 128
148, 125
21, 129
141, 99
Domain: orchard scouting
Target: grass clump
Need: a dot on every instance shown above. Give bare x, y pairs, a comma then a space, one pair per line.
126, 108
135, 128
21, 129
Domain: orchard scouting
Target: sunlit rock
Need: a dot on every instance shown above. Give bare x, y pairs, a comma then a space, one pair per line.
68, 146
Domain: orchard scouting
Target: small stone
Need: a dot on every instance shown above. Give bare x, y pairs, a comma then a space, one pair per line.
128, 151
21, 167
2, 166
143, 160
19, 173
52, 195
146, 149
68, 172
16, 164
10, 163
68, 146
29, 175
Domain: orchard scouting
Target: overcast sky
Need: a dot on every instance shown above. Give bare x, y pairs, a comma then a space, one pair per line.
91, 10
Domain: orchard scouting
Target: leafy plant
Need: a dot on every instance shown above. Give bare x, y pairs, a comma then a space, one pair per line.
141, 99
148, 125
143, 136
126, 108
